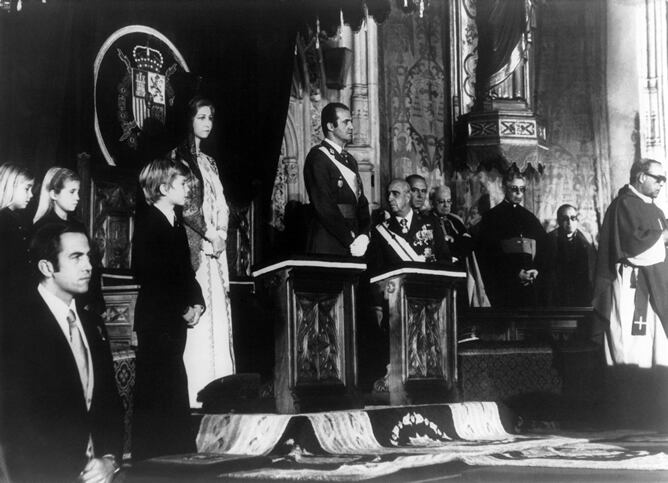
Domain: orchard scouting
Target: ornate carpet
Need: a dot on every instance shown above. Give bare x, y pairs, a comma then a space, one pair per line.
124, 372
364, 444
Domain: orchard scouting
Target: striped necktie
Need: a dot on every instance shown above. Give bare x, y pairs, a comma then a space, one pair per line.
78, 349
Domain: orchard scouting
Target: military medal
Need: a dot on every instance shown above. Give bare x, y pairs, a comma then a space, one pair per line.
339, 183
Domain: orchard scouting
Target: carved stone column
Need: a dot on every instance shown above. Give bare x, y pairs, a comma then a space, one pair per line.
463, 55
653, 39
364, 106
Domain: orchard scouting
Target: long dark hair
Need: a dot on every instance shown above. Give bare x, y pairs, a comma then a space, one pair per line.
186, 150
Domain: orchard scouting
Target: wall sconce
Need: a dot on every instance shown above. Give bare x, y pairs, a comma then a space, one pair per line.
337, 62
410, 6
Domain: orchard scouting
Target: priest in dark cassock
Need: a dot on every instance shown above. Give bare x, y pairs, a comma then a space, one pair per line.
569, 262
456, 236
460, 244
509, 247
631, 285
341, 219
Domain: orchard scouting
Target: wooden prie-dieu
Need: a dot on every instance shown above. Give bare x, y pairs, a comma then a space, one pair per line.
313, 302
423, 332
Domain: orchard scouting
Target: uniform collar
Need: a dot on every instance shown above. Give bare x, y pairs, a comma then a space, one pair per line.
409, 217
336, 147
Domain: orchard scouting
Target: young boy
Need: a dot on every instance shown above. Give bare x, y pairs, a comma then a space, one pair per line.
170, 300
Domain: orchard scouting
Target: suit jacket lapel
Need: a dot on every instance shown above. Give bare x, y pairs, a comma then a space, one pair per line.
62, 350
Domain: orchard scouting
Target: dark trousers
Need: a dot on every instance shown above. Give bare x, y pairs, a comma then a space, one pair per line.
161, 419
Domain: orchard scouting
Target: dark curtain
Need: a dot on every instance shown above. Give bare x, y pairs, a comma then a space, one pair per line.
500, 26
41, 70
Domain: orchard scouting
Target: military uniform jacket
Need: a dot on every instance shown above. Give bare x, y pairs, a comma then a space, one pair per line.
339, 214
423, 236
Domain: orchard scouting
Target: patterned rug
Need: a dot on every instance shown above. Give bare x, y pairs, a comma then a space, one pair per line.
363, 444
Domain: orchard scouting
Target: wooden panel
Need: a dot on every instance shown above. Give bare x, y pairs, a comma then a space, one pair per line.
319, 337
119, 317
422, 322
314, 314
424, 334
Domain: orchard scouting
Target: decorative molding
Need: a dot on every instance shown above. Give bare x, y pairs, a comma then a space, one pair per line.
112, 222
463, 55
119, 317
317, 344
240, 241
653, 31
423, 348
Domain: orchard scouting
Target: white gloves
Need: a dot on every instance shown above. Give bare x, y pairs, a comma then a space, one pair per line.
359, 245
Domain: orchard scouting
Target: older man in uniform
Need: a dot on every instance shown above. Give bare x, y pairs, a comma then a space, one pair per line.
341, 219
407, 235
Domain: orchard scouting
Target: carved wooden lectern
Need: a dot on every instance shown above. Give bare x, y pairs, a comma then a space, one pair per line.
423, 332
315, 323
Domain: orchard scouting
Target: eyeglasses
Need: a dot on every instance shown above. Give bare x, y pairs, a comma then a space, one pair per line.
444, 202
659, 178
517, 189
572, 218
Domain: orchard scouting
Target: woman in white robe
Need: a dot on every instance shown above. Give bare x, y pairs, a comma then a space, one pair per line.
209, 352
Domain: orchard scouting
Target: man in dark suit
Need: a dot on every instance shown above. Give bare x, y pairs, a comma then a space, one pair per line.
62, 416
407, 235
341, 220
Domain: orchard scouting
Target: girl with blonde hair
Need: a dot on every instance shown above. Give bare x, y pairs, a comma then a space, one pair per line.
16, 184
58, 198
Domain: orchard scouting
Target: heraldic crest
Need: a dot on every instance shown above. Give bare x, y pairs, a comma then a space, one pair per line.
134, 93
145, 88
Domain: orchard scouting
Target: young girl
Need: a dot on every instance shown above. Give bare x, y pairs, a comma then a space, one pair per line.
16, 185
58, 198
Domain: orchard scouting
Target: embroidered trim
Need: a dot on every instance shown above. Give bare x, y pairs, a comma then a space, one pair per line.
399, 245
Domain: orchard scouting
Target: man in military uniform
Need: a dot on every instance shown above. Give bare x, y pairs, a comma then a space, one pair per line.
419, 192
341, 220
407, 235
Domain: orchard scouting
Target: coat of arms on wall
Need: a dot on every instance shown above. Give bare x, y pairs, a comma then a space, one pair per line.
135, 117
